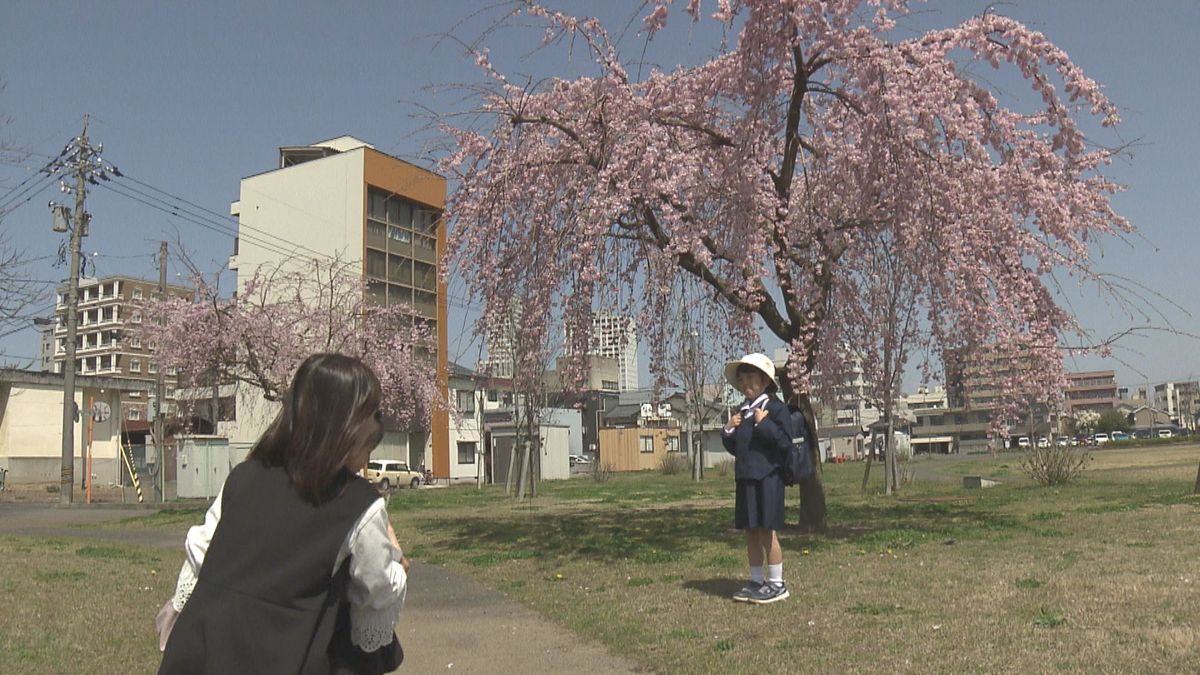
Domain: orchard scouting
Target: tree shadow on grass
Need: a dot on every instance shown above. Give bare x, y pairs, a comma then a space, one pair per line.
721, 587
672, 533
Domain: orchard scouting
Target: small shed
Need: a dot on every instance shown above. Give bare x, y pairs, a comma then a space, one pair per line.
202, 465
638, 448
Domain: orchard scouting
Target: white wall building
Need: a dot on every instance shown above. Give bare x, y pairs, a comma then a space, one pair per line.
342, 198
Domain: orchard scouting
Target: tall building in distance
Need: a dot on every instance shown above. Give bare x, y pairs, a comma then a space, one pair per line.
500, 359
343, 198
109, 339
615, 337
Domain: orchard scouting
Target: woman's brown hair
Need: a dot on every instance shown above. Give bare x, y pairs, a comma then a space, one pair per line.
330, 414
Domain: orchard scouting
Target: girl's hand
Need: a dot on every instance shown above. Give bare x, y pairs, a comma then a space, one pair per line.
735, 419
760, 415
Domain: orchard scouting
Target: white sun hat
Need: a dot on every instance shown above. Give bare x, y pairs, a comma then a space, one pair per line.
760, 361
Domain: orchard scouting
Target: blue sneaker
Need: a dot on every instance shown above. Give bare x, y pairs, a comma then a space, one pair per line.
768, 593
747, 591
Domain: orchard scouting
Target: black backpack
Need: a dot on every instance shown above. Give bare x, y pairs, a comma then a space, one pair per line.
797, 465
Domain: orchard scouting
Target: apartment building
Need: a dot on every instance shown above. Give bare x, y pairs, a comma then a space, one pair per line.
109, 338
1091, 390
1180, 399
344, 198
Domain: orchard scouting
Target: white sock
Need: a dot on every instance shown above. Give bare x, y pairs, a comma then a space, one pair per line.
775, 573
756, 574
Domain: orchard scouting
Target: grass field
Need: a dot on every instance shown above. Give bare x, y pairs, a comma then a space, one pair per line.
1099, 576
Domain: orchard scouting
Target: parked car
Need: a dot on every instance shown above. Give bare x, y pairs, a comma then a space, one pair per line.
1099, 438
1164, 433
1120, 436
578, 459
1064, 441
1043, 442
389, 473
1023, 442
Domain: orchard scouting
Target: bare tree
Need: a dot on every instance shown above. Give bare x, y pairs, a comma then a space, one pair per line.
19, 292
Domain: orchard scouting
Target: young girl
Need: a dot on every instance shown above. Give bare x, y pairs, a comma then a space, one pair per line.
296, 568
756, 436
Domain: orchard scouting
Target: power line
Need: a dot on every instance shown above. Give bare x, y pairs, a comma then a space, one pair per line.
222, 220
167, 208
29, 193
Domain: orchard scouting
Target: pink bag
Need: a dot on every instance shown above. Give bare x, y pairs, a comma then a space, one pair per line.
163, 623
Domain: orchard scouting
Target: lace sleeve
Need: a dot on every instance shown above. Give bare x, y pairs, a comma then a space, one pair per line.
184, 586
378, 583
196, 547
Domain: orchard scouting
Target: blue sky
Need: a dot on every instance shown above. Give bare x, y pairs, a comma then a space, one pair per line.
191, 98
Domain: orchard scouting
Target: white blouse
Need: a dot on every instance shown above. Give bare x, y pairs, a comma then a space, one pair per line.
377, 585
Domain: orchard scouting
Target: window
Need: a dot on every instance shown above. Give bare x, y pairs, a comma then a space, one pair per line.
400, 269
135, 414
425, 221
466, 452
152, 367
135, 365
425, 276
376, 204
377, 292
400, 213
376, 263
136, 317
137, 294
153, 345
135, 341
646, 444
466, 401
672, 444
493, 395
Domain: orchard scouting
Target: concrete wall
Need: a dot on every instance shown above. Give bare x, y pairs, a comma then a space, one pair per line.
318, 205
570, 418
31, 433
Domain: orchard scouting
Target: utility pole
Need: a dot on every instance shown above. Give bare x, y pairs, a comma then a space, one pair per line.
160, 386
85, 160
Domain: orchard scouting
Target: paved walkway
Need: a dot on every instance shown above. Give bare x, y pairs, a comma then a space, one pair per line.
451, 623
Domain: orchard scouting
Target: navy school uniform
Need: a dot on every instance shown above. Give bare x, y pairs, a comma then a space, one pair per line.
758, 451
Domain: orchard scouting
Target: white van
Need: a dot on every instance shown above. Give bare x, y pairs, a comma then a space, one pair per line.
1100, 438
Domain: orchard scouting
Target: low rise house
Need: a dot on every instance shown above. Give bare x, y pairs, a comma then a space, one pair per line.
31, 413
